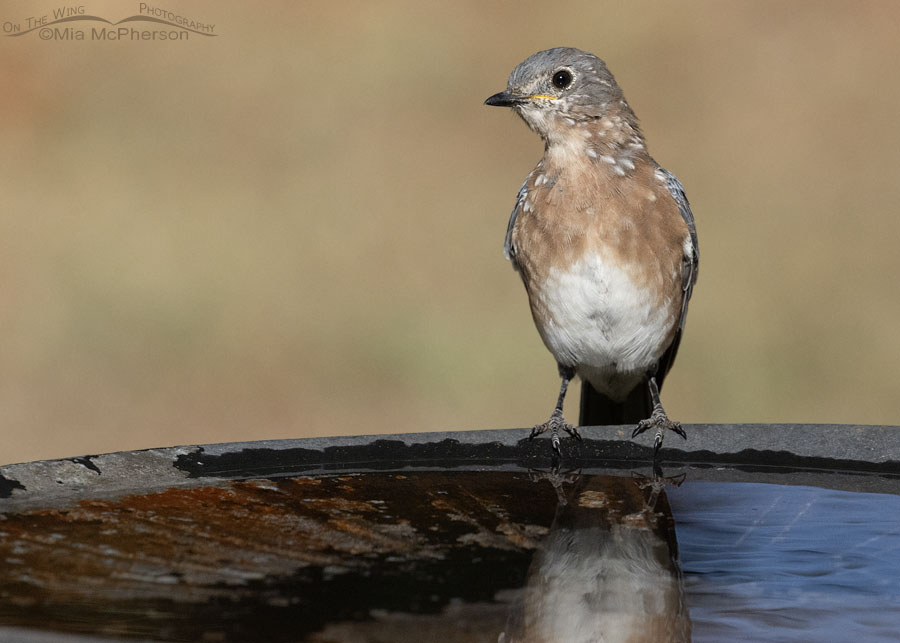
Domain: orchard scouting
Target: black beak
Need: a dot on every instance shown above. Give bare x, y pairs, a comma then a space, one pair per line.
505, 99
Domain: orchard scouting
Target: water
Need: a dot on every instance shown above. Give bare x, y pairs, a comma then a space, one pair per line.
491, 555
768, 562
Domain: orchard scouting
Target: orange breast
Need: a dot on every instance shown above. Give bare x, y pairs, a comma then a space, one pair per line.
631, 221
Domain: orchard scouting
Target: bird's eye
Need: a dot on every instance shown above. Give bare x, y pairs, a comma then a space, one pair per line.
562, 79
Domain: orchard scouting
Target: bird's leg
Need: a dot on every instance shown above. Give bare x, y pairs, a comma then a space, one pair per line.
658, 420
557, 421
656, 484
557, 479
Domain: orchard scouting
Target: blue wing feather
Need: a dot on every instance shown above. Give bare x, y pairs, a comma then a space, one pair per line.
690, 263
509, 250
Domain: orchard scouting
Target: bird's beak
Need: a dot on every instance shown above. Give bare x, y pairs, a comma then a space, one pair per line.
509, 99
506, 99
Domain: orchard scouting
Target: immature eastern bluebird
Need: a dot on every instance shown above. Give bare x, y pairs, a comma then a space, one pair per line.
604, 240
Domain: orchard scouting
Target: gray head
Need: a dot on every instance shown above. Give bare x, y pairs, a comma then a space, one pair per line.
552, 88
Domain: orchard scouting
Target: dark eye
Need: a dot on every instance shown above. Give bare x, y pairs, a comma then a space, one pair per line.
562, 79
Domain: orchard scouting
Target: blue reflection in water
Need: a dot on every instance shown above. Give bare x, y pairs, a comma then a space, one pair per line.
781, 563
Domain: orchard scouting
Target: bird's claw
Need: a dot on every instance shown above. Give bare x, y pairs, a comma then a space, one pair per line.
657, 440
554, 424
660, 421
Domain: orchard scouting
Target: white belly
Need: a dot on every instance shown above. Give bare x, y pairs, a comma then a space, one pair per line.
600, 322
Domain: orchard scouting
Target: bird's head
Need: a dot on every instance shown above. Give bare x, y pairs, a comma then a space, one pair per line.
556, 89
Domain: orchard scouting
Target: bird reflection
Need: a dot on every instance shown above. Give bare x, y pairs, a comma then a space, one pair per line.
607, 570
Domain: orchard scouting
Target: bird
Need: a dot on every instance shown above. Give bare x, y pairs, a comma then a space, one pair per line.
604, 240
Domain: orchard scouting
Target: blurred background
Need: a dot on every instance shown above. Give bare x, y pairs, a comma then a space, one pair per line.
295, 228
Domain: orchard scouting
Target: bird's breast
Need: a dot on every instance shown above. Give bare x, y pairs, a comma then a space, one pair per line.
594, 314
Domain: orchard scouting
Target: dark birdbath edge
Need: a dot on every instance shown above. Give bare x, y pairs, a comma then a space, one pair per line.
782, 453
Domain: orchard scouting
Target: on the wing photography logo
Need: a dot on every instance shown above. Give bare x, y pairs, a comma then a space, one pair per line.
151, 22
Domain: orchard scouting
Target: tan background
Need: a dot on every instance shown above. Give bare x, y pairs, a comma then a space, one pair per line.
295, 228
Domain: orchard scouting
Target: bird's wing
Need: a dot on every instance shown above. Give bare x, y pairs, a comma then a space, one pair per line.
691, 261
509, 250
689, 266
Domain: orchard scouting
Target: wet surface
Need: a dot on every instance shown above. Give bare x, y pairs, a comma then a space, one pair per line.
469, 556
319, 558
766, 562
277, 546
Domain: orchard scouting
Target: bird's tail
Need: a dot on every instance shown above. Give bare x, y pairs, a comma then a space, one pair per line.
597, 409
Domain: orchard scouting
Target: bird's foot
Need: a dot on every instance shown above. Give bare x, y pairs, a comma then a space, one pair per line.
557, 479
554, 424
656, 483
660, 421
